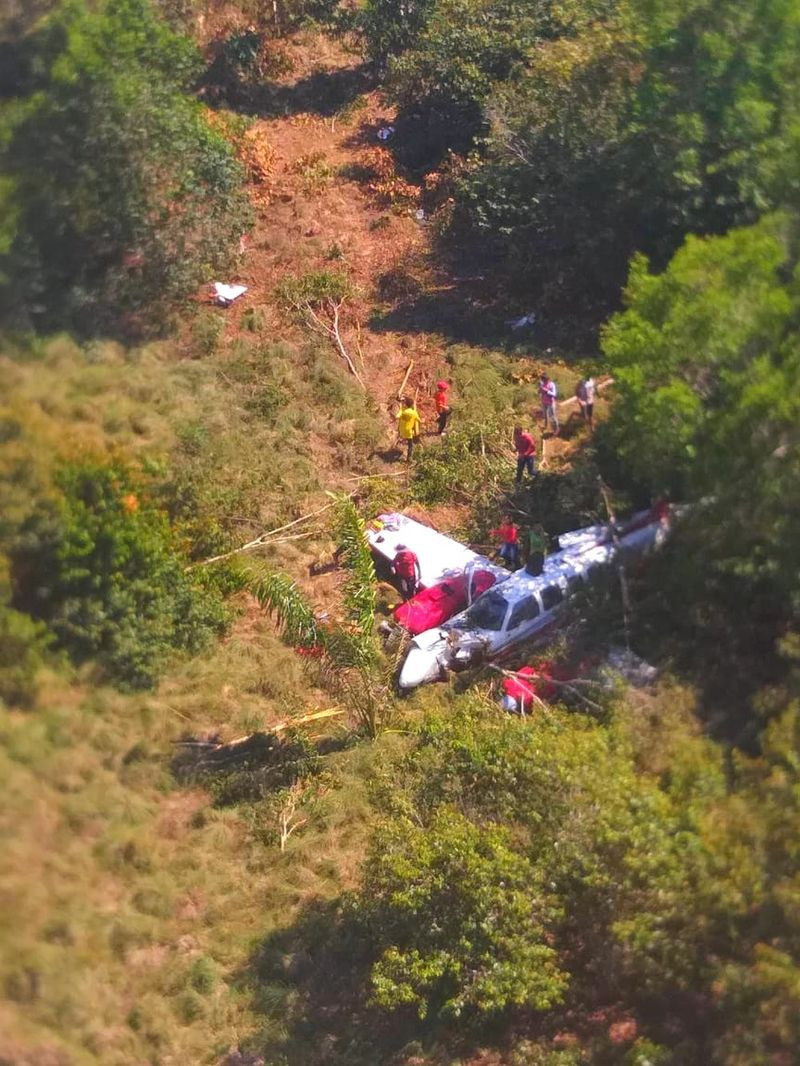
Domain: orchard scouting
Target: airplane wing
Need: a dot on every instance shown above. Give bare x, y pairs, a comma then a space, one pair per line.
439, 556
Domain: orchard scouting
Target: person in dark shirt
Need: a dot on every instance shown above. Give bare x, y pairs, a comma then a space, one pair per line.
536, 550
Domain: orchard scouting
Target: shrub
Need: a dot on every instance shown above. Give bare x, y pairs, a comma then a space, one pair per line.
101, 569
467, 460
315, 289
464, 919
118, 195
207, 331
23, 647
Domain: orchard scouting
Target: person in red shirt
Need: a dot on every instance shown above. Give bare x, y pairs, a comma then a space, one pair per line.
509, 534
405, 566
517, 692
442, 406
526, 453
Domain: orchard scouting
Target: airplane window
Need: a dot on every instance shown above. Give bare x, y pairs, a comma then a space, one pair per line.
551, 596
488, 612
523, 611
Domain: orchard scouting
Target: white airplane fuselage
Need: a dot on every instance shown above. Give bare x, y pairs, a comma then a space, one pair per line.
524, 607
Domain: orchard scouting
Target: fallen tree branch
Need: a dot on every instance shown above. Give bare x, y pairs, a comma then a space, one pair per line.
401, 390
261, 539
230, 746
601, 384
373, 477
330, 329
337, 339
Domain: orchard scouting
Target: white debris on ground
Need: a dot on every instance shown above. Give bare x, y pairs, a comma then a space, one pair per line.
526, 320
631, 667
226, 294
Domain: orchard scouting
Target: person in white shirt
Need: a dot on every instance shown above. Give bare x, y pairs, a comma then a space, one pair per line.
547, 397
584, 394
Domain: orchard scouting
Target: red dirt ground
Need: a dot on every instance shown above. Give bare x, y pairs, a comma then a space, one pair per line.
335, 223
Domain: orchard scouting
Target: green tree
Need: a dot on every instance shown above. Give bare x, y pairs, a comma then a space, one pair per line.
23, 651
624, 127
117, 194
100, 567
464, 920
706, 360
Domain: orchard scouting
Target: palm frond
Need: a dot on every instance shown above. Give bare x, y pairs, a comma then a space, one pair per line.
282, 599
360, 591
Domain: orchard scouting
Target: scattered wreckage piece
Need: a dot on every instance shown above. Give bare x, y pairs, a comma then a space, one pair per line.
226, 294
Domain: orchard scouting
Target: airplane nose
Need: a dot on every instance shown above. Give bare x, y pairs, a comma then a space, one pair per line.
421, 665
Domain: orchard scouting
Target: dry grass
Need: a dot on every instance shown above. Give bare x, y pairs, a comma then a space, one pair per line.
130, 907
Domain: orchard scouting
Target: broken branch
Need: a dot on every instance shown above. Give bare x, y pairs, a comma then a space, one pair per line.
401, 390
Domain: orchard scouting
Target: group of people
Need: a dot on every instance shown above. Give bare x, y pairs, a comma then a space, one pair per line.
532, 540
524, 443
409, 423
534, 543
408, 420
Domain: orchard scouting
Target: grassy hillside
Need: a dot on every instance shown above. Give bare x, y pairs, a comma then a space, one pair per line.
207, 861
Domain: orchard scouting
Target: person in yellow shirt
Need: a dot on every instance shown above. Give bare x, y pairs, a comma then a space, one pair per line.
408, 425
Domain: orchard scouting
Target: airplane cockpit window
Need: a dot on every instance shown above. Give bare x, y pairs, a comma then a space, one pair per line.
488, 612
524, 611
551, 597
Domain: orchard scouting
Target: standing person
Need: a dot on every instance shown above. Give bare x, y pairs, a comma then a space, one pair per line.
405, 566
509, 535
525, 447
548, 392
584, 394
536, 550
408, 425
442, 406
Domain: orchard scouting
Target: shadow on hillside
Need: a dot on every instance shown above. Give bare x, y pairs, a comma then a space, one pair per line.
323, 93
310, 984
479, 303
312, 979
466, 313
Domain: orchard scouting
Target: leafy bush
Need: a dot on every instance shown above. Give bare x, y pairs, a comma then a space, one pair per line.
207, 331
467, 460
588, 865
315, 289
467, 920
100, 567
23, 649
118, 196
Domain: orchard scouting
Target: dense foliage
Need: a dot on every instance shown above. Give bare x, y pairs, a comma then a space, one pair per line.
532, 864
117, 196
707, 367
600, 128
101, 568
567, 888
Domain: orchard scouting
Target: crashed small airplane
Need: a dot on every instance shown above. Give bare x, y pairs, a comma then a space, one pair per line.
451, 574
517, 607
